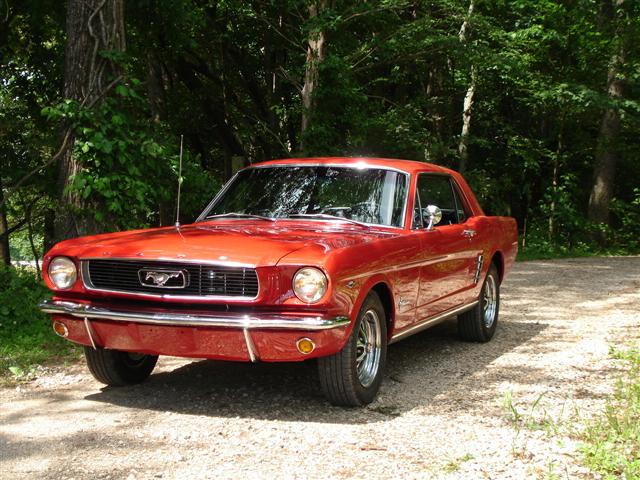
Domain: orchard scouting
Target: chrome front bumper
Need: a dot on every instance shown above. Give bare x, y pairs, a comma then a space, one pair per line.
229, 320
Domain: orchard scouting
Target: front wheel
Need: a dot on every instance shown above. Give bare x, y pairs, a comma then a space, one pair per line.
117, 368
352, 376
479, 323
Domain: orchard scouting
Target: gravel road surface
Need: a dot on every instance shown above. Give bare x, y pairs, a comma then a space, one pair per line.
440, 414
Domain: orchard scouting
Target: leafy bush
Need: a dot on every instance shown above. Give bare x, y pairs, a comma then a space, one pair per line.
26, 338
130, 164
628, 217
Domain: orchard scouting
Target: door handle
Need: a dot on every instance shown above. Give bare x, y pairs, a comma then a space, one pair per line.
469, 233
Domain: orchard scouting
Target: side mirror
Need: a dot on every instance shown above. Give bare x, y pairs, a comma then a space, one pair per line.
434, 214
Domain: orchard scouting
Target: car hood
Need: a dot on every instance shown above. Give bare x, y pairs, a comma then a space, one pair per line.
232, 242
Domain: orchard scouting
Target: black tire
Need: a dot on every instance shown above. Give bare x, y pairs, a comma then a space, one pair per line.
346, 381
117, 368
474, 325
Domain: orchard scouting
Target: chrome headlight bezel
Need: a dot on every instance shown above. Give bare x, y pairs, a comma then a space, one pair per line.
310, 284
62, 272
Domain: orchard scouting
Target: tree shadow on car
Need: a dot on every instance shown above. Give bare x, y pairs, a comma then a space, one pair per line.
422, 369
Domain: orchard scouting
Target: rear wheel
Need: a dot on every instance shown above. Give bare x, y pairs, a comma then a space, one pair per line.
479, 324
117, 368
352, 376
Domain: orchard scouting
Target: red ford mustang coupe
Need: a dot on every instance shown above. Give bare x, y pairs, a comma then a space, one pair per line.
327, 258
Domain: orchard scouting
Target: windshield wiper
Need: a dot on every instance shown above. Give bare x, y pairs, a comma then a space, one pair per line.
241, 215
326, 216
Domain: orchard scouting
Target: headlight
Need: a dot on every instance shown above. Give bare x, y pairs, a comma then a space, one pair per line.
62, 272
309, 284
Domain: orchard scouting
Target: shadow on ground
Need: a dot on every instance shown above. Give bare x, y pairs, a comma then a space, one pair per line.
291, 392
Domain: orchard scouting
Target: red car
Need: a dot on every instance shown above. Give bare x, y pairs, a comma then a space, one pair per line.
327, 258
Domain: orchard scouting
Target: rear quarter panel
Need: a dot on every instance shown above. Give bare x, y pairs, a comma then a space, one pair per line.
498, 234
498, 237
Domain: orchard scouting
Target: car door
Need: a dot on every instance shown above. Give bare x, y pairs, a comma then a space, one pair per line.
471, 231
447, 249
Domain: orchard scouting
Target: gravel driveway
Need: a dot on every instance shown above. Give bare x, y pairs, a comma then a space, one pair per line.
440, 413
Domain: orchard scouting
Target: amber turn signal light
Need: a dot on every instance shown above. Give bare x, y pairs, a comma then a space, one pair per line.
305, 346
61, 329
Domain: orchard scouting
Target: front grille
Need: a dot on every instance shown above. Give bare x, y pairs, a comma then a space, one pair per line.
185, 279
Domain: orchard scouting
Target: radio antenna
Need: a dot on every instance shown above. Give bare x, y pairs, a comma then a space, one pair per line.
179, 184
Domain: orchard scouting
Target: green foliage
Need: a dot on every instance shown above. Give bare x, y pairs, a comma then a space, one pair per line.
129, 167
612, 441
229, 76
21, 248
628, 216
26, 337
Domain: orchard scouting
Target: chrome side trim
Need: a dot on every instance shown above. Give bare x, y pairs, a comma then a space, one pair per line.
480, 261
251, 348
240, 321
216, 197
360, 165
431, 321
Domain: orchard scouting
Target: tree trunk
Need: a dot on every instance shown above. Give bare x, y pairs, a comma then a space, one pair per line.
49, 229
554, 184
5, 255
216, 110
93, 26
606, 155
463, 144
315, 56
32, 243
156, 89
156, 92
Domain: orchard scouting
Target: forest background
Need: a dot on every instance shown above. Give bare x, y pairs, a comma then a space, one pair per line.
536, 102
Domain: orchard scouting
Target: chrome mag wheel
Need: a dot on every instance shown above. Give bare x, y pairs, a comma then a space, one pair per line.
479, 323
368, 348
489, 301
352, 376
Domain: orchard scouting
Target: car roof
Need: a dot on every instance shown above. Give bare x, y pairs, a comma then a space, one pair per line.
409, 166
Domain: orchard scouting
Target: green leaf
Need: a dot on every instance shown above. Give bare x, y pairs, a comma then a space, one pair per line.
122, 90
117, 119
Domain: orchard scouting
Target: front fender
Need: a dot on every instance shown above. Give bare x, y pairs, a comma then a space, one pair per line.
359, 293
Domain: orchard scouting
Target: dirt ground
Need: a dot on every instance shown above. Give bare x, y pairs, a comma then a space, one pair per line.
440, 414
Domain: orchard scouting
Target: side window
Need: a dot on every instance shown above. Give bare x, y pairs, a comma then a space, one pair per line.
461, 209
437, 190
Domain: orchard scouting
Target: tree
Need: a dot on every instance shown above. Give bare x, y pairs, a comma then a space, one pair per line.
509, 91
315, 56
5, 256
463, 145
95, 38
606, 150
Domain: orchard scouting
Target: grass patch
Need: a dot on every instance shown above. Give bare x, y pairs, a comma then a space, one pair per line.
550, 252
531, 254
454, 465
26, 337
612, 442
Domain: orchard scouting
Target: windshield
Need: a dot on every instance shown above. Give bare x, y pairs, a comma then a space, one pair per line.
369, 195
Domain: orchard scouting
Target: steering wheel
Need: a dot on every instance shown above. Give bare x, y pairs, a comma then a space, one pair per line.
340, 211
363, 211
